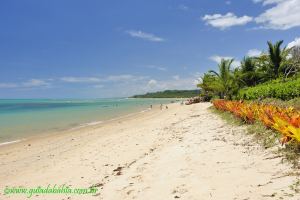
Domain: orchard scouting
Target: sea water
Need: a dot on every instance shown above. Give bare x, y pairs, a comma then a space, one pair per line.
20, 118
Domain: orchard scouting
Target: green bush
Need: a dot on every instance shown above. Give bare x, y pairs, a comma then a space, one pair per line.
279, 89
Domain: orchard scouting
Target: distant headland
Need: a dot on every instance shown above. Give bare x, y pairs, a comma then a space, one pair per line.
169, 94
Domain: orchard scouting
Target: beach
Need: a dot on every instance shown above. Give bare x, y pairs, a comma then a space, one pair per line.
183, 152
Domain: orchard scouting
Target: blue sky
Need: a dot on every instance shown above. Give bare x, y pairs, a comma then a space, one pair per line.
99, 48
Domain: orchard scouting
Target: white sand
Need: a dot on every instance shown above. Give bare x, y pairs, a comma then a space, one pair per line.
185, 152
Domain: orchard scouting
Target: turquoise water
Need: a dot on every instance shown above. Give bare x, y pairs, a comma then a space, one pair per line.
20, 118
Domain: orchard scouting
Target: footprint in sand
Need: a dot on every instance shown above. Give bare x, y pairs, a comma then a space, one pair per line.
118, 171
138, 177
129, 192
179, 191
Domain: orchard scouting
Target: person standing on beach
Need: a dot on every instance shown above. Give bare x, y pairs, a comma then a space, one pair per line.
161, 106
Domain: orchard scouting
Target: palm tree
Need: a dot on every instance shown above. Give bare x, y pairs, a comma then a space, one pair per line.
276, 55
210, 86
224, 76
248, 74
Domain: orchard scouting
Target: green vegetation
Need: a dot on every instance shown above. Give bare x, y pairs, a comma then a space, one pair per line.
279, 89
224, 78
270, 78
273, 74
170, 94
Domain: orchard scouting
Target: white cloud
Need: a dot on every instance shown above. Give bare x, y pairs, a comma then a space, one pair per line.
32, 83
253, 52
218, 59
176, 77
228, 2
296, 42
236, 63
146, 36
152, 83
156, 67
283, 15
267, 2
175, 83
111, 78
197, 75
35, 83
71, 79
226, 21
8, 85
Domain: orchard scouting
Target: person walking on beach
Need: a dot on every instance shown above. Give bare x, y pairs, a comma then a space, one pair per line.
151, 106
161, 106
166, 107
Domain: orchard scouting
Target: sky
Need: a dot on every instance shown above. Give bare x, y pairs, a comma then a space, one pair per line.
110, 48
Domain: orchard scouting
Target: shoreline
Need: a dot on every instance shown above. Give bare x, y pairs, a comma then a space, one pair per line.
11, 142
76, 127
48, 116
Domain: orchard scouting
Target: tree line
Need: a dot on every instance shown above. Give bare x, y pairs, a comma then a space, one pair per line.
278, 63
170, 94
